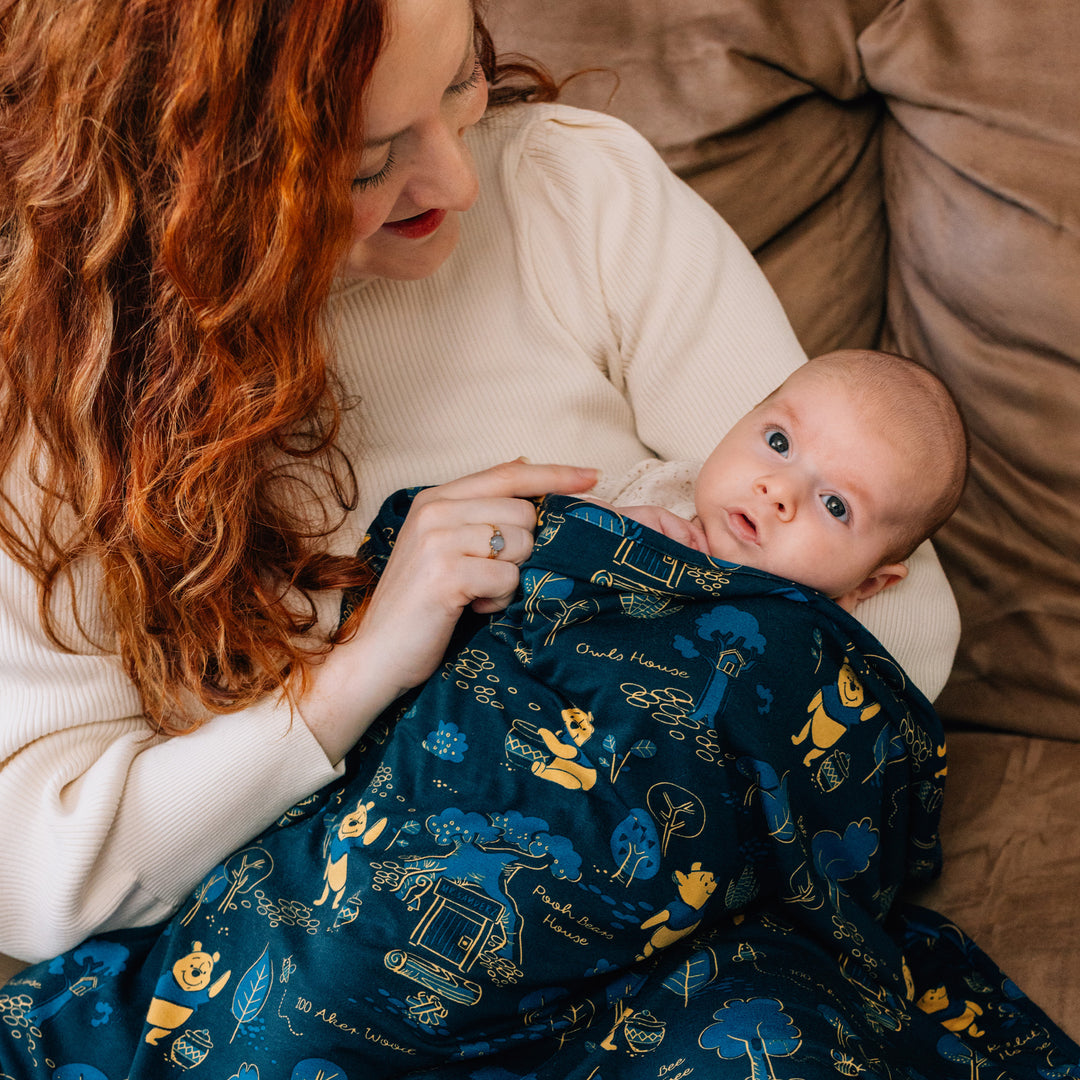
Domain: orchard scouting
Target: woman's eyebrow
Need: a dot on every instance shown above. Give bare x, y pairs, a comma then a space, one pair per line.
467, 62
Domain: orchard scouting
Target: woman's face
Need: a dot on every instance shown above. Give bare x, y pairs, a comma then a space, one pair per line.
414, 174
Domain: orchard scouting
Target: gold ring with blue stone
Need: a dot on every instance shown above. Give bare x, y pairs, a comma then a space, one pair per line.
496, 542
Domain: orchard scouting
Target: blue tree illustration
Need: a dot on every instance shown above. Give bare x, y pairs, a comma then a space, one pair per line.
952, 1048
447, 741
757, 1028
635, 847
209, 889
93, 961
486, 852
244, 870
532, 836
737, 643
548, 595
840, 858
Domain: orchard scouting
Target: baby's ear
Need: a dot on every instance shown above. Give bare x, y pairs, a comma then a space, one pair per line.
882, 578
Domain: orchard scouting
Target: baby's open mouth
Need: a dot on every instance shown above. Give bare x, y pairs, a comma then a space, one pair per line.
742, 526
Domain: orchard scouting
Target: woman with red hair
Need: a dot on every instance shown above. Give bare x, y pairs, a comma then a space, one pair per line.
263, 262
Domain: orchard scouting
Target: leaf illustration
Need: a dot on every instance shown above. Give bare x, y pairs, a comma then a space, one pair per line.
609, 743
644, 748
690, 977
742, 890
252, 990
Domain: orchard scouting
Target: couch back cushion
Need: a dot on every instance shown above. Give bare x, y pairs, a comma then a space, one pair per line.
981, 159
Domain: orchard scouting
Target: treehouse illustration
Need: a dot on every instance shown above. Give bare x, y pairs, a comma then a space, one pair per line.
461, 897
731, 642
459, 925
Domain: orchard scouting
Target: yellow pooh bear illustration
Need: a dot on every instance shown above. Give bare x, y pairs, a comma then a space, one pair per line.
958, 1017
833, 710
352, 831
683, 914
569, 768
181, 990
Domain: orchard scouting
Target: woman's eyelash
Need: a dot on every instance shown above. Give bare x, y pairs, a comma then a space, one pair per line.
362, 183
470, 82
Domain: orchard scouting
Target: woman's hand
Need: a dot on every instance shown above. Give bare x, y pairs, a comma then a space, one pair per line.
441, 563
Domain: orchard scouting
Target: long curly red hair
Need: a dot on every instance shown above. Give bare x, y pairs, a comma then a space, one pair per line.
174, 202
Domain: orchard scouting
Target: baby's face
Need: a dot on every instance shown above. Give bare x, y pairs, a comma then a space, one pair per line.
807, 486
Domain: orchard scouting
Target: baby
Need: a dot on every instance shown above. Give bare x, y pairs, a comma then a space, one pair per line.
832, 481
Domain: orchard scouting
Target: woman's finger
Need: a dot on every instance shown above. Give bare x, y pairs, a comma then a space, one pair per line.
507, 543
439, 513
461, 544
515, 479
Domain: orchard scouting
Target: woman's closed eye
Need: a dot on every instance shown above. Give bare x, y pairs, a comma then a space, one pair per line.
362, 183
474, 78
835, 506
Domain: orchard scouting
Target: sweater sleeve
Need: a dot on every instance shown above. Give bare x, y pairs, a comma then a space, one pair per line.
634, 262
673, 307
106, 825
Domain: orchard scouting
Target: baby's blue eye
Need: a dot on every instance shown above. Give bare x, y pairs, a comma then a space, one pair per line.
778, 441
835, 505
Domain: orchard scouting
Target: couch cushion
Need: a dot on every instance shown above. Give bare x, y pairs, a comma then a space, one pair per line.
981, 154
1011, 873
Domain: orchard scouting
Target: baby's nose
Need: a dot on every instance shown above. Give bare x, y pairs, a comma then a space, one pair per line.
780, 494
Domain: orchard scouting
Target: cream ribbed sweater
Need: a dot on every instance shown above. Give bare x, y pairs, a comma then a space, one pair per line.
595, 311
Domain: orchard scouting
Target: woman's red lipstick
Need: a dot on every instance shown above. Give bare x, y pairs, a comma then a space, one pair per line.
416, 228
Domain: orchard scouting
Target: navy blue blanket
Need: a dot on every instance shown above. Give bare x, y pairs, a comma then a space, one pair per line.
651, 821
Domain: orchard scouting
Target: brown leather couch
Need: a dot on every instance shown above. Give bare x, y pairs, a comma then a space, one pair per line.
908, 172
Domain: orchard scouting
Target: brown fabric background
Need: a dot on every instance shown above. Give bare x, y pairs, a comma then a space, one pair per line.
981, 159
908, 171
1010, 880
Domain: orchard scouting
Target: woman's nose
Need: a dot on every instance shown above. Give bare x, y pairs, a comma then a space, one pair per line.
779, 493
444, 176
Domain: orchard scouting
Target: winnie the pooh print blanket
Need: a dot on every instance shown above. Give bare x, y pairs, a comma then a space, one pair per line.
651, 821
